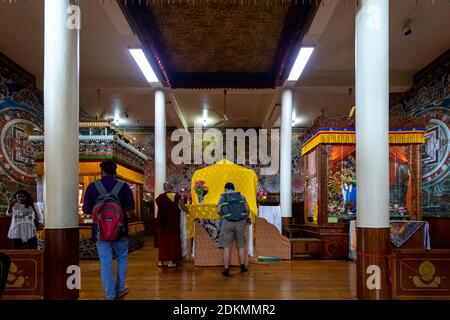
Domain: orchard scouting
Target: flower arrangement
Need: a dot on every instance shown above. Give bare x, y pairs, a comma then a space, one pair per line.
261, 196
200, 189
402, 210
398, 209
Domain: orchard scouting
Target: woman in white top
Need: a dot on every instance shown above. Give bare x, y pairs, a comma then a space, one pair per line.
26, 220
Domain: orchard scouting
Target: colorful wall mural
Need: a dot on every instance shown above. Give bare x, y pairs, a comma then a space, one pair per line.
430, 97
21, 114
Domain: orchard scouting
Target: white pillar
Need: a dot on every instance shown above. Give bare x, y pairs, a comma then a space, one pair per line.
40, 188
286, 154
61, 103
160, 142
372, 113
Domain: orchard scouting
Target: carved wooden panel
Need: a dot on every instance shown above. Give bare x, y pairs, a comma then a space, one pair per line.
419, 274
335, 248
416, 174
25, 278
323, 183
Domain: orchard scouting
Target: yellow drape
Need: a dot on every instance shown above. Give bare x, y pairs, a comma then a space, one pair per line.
87, 180
395, 137
199, 211
93, 169
324, 137
407, 138
215, 177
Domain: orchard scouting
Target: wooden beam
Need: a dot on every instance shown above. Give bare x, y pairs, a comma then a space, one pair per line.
175, 113
273, 112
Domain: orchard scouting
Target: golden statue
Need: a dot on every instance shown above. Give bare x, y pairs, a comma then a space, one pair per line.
316, 212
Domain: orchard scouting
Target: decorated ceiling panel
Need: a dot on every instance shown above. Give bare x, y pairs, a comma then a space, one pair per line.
216, 44
220, 36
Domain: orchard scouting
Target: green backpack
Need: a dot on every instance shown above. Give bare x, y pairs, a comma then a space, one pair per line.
233, 206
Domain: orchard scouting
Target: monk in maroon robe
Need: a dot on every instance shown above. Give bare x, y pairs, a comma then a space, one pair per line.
168, 221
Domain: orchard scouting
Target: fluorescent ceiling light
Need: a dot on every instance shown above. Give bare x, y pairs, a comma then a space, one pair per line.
142, 62
300, 63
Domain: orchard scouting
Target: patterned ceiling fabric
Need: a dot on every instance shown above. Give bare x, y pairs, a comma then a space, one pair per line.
220, 36
221, 44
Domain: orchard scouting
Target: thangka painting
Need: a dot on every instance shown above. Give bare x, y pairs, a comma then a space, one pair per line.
430, 98
21, 115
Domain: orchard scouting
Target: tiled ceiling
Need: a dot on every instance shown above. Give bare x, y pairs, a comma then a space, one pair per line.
215, 44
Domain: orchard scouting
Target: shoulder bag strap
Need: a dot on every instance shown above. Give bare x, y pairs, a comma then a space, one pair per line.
100, 187
115, 191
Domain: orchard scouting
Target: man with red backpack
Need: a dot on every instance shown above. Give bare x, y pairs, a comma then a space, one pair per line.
108, 201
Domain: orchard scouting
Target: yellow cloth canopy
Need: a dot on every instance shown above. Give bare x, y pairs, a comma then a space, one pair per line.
348, 136
93, 169
217, 175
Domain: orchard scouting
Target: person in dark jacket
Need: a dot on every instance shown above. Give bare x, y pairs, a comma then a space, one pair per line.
113, 288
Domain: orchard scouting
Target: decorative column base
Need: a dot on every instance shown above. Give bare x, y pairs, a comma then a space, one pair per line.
373, 249
61, 251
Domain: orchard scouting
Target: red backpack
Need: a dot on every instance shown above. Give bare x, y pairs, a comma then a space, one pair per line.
108, 215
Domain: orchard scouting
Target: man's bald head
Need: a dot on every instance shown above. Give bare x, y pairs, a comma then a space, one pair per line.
167, 187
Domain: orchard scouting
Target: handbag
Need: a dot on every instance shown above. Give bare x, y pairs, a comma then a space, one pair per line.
39, 226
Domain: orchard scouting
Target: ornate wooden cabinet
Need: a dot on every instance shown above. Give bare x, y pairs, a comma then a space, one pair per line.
329, 155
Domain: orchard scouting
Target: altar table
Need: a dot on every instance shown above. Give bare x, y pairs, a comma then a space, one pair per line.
205, 214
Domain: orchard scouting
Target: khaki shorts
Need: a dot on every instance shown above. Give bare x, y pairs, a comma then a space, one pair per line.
233, 230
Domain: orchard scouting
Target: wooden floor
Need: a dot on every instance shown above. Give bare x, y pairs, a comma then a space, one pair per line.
291, 280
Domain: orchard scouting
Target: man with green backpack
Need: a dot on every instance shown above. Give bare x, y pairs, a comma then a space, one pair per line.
234, 210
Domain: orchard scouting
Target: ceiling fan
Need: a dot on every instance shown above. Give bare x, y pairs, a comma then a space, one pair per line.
224, 117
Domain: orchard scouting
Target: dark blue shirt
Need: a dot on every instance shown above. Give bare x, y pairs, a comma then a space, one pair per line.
125, 197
